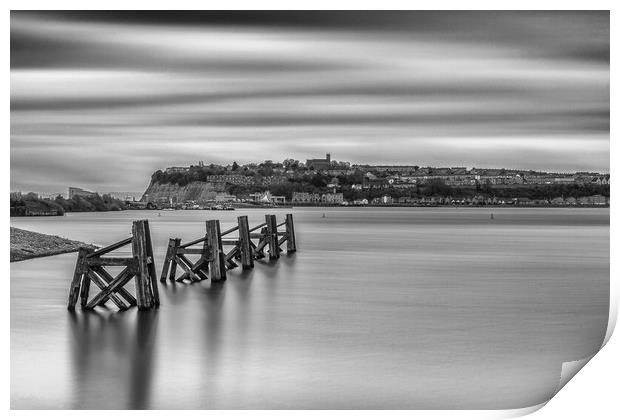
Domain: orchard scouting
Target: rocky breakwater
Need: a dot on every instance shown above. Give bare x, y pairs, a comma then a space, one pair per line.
26, 244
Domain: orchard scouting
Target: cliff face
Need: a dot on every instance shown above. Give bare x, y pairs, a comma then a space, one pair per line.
194, 191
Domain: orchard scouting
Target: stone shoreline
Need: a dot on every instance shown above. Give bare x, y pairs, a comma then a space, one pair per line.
26, 244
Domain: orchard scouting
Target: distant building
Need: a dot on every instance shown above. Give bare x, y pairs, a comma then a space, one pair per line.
225, 198
305, 197
386, 199
177, 169
50, 196
598, 200
564, 180
74, 191
332, 198
266, 197
327, 198
320, 164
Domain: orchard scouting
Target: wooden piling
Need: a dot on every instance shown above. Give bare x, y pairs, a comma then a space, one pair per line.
150, 263
246, 253
74, 289
138, 243
173, 264
291, 245
167, 259
272, 236
217, 267
85, 278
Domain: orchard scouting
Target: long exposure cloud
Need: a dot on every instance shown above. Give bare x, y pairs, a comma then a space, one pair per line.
102, 99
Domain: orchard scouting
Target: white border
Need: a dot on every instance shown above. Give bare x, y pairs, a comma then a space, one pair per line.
593, 394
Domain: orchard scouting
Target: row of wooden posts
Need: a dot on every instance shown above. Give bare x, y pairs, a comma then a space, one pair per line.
217, 252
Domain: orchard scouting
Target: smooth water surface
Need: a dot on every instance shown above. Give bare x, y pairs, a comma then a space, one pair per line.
379, 308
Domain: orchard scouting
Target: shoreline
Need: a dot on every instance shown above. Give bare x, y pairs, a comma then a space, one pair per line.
26, 245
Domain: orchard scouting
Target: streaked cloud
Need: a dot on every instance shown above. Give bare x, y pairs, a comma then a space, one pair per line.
129, 92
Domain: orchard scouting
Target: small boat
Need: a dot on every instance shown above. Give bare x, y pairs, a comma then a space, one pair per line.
492, 216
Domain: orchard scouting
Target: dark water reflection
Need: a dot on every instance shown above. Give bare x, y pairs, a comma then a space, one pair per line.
380, 308
97, 340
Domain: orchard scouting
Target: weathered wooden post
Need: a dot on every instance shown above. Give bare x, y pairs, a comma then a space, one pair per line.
168, 259
150, 263
217, 267
272, 236
247, 257
143, 289
86, 278
173, 265
78, 275
291, 246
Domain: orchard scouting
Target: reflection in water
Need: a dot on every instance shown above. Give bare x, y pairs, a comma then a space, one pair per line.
105, 342
212, 322
442, 298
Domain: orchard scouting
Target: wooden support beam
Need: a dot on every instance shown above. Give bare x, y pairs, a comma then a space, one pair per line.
272, 236
203, 274
230, 256
232, 253
109, 279
185, 251
217, 268
193, 242
231, 230
118, 282
258, 227
101, 284
258, 249
245, 249
201, 263
109, 248
110, 261
230, 241
186, 265
291, 244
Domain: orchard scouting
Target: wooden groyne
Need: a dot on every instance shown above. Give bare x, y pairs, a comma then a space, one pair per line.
213, 257
90, 268
217, 253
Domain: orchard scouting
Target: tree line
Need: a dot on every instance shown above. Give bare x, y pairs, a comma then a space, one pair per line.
61, 205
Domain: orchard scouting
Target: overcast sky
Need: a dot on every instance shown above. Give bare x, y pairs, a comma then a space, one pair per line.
102, 100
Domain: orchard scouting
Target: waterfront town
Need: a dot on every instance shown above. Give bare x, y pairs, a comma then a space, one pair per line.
327, 182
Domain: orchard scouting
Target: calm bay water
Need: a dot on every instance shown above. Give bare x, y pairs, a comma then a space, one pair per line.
379, 308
